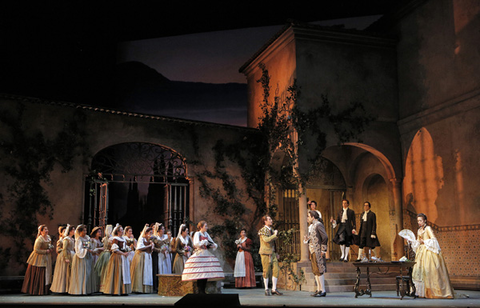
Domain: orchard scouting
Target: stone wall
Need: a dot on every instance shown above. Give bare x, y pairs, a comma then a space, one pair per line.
193, 140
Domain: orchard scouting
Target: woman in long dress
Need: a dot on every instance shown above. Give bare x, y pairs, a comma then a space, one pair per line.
102, 261
430, 274
117, 279
244, 272
131, 243
38, 276
97, 249
156, 263
169, 254
81, 277
203, 265
141, 267
182, 250
61, 276
163, 253
59, 248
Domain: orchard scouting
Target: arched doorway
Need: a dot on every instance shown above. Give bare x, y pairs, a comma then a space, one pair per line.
369, 174
376, 192
137, 183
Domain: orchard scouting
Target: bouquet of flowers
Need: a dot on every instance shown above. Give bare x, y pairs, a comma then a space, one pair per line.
164, 247
86, 244
156, 241
188, 250
237, 242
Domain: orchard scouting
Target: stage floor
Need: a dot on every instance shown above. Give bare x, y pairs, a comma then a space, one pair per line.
249, 298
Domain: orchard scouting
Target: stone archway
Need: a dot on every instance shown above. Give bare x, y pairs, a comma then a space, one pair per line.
359, 163
136, 183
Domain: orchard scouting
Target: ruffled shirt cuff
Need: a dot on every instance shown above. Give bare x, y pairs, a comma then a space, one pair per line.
432, 245
415, 245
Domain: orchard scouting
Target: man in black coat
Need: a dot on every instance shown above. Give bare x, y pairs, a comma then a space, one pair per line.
347, 225
368, 231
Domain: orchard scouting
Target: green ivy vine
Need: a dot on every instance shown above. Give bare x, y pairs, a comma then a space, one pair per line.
28, 158
254, 155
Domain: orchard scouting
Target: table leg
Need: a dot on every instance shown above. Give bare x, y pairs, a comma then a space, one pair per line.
414, 289
402, 286
369, 286
357, 283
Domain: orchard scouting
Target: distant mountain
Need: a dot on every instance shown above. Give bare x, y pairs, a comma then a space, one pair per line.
140, 88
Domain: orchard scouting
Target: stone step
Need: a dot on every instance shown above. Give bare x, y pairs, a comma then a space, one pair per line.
341, 277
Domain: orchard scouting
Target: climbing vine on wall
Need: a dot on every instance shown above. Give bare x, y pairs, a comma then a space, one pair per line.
254, 154
28, 159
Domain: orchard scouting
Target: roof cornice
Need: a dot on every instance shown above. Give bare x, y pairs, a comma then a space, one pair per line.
302, 31
116, 112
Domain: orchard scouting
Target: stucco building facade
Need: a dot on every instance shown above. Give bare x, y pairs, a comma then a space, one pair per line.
417, 71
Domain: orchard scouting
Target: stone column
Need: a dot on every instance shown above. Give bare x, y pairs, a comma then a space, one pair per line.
398, 218
302, 211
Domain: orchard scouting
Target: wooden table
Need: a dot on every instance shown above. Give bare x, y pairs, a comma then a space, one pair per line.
402, 266
172, 285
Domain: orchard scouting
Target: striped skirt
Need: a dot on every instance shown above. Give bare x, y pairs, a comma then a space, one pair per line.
202, 265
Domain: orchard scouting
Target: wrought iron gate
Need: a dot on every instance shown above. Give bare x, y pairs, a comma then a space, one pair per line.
152, 172
289, 219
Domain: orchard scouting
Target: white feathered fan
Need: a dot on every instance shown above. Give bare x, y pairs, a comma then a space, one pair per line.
408, 235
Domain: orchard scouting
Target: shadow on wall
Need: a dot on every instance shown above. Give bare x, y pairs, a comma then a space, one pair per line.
424, 176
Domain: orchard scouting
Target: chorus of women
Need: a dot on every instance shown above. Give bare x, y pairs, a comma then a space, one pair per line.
109, 261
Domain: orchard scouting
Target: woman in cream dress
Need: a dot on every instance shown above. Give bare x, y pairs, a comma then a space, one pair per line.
141, 268
117, 279
61, 277
430, 274
81, 277
38, 276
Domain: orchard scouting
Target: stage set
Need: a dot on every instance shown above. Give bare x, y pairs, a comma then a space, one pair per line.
172, 292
